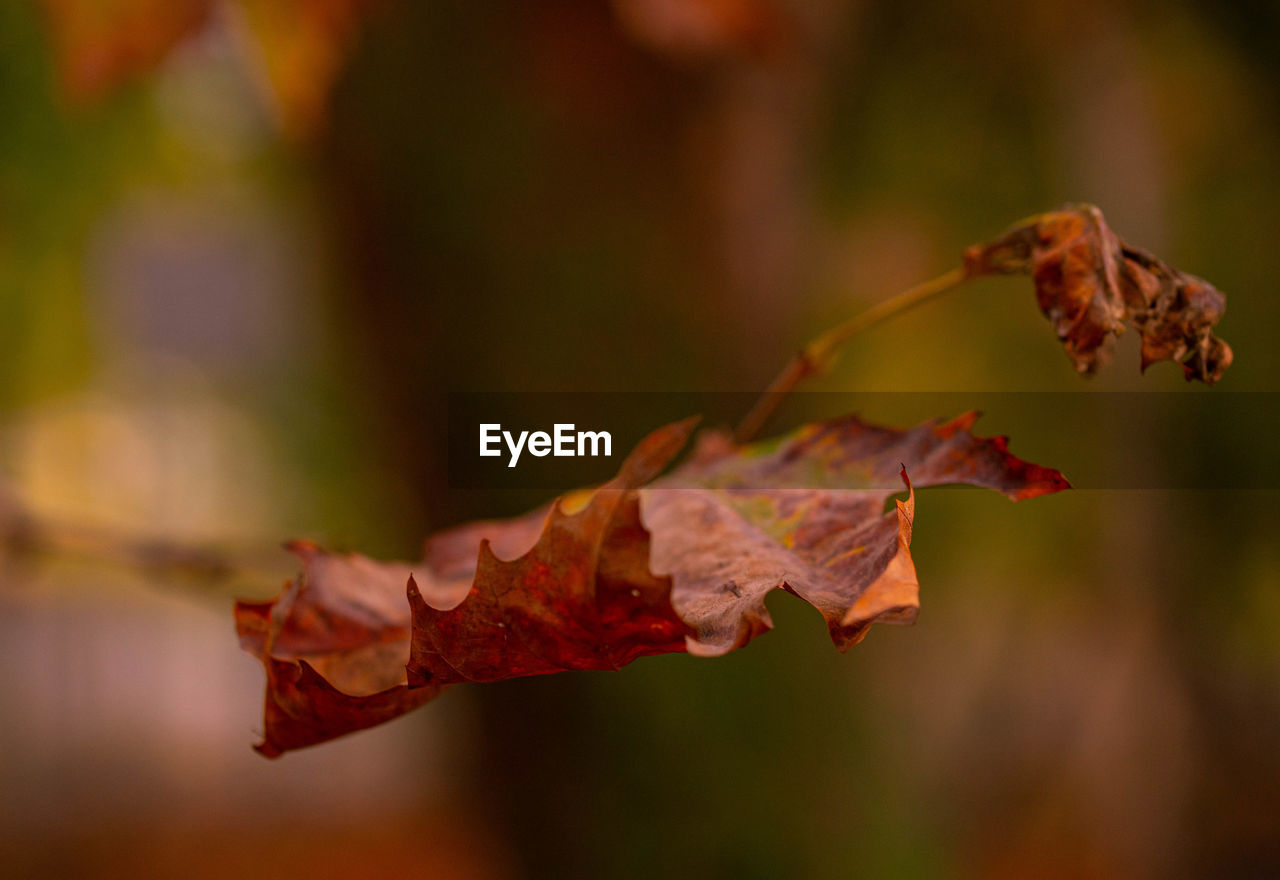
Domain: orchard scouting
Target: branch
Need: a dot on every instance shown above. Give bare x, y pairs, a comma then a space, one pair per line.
819, 355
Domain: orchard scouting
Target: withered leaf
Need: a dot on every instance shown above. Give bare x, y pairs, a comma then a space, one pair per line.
1091, 284
733, 525
101, 44
636, 567
301, 46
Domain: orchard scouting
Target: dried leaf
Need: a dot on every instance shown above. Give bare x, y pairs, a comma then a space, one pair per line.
1091, 284
334, 645
101, 44
734, 525
297, 46
596, 580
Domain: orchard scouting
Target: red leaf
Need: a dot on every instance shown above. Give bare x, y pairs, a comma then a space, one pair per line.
682, 564
298, 47
103, 43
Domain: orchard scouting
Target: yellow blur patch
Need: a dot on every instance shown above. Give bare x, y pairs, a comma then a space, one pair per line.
576, 501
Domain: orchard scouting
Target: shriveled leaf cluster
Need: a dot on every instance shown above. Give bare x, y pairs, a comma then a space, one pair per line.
636, 567
1090, 283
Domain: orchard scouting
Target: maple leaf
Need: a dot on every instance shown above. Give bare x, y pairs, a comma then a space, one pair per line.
634, 568
1091, 284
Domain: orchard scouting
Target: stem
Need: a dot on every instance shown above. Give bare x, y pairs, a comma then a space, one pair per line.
24, 535
819, 355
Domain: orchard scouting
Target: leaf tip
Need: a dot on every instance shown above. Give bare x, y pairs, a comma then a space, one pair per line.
302, 547
655, 452
268, 750
962, 422
253, 624
1044, 481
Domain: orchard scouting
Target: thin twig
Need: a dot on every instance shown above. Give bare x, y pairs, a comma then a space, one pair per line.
819, 355
24, 534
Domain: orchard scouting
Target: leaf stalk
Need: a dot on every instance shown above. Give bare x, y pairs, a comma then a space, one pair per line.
821, 354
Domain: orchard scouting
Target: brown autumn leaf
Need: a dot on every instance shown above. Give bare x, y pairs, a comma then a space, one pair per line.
101, 44
634, 568
1091, 284
296, 48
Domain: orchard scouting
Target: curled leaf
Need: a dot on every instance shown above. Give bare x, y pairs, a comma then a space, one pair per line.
334, 645
640, 567
807, 517
1091, 284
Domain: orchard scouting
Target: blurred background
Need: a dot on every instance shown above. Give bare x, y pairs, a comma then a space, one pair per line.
247, 246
